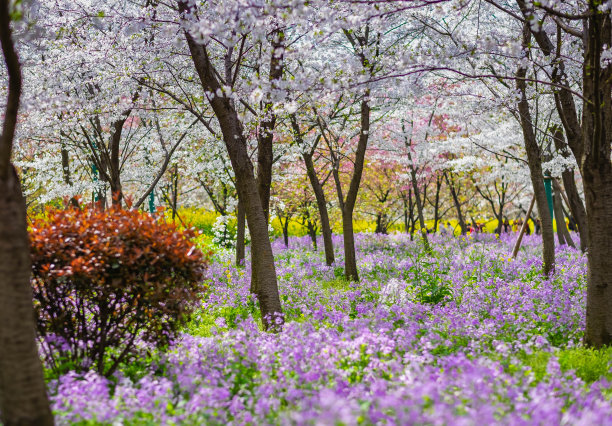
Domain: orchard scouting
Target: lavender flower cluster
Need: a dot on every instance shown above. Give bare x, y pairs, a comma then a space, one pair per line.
463, 336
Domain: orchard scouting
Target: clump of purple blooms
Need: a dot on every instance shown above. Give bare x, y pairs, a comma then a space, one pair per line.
460, 336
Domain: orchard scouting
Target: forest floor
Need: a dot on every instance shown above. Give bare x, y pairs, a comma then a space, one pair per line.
461, 336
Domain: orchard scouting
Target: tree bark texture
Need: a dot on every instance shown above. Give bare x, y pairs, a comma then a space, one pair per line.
575, 202
348, 206
535, 167
317, 188
419, 204
597, 177
563, 234
590, 141
246, 184
240, 234
457, 204
23, 397
23, 394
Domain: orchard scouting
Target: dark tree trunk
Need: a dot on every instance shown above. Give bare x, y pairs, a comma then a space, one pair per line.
598, 191
597, 177
66, 173
576, 207
246, 185
411, 214
265, 137
115, 163
437, 204
66, 166
285, 231
174, 192
574, 201
23, 395
240, 231
348, 206
560, 218
535, 167
590, 143
317, 188
312, 231
457, 204
419, 205
405, 203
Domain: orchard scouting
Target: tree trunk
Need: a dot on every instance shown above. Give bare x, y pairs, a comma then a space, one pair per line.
560, 218
115, 162
240, 231
457, 204
590, 144
23, 395
597, 178
347, 206
350, 259
574, 201
535, 167
312, 232
598, 191
419, 206
285, 231
317, 188
263, 267
576, 207
437, 204
66, 173
405, 203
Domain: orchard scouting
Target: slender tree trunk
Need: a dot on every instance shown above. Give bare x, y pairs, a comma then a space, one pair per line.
246, 185
265, 137
419, 205
456, 203
405, 203
312, 232
23, 395
66, 174
535, 167
576, 207
560, 218
240, 231
286, 231
317, 188
326, 231
115, 162
350, 259
574, 201
411, 214
437, 204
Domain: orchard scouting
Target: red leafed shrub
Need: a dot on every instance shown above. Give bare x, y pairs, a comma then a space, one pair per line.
104, 279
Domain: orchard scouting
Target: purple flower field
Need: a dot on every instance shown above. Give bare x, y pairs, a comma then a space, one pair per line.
463, 336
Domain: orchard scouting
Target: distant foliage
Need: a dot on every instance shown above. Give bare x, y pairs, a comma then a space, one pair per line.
104, 279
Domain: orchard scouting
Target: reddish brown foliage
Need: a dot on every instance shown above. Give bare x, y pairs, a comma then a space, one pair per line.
102, 279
